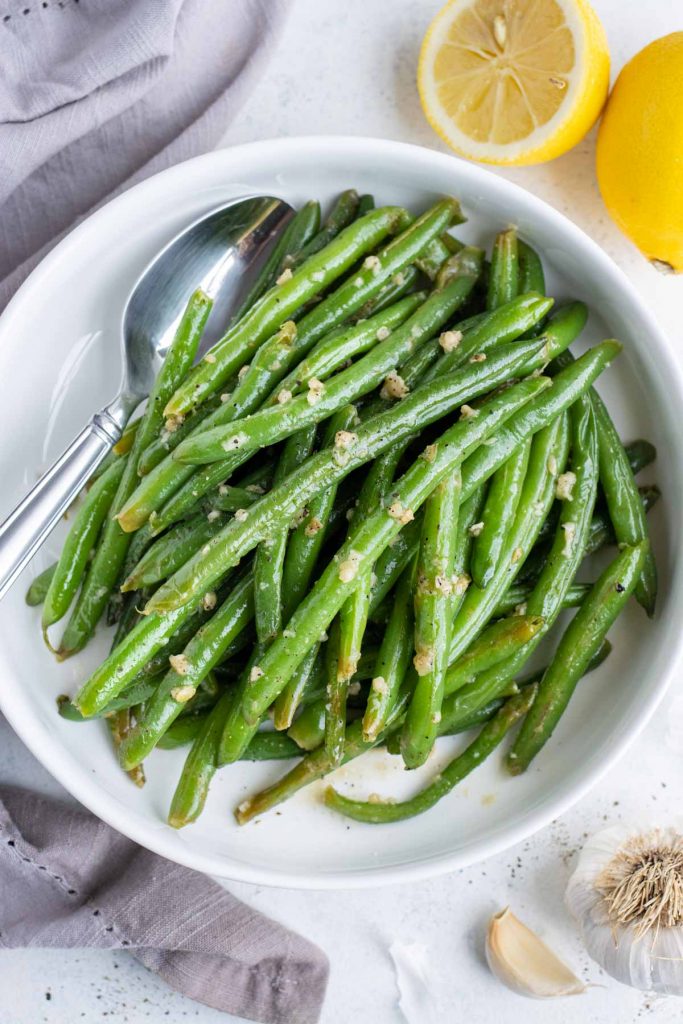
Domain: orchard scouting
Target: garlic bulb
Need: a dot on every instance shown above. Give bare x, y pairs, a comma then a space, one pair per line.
627, 895
524, 963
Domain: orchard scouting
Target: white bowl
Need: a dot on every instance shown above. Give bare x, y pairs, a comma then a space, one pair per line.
59, 362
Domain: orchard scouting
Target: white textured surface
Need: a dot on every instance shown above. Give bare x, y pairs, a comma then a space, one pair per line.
342, 68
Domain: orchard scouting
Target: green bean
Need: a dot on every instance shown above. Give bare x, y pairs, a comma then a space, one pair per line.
204, 651
344, 212
335, 702
353, 616
308, 730
366, 203
169, 439
314, 276
393, 657
307, 539
500, 508
504, 274
433, 614
228, 498
334, 350
531, 276
172, 550
149, 635
505, 324
548, 454
275, 423
624, 503
640, 454
270, 364
79, 544
317, 763
462, 709
396, 288
432, 258
199, 768
602, 532
391, 563
581, 640
300, 229
491, 736
270, 554
303, 679
517, 596
424, 405
136, 693
113, 544
265, 746
361, 548
548, 596
498, 642
484, 462
37, 591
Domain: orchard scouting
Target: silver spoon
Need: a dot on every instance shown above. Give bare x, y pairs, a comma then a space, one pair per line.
216, 252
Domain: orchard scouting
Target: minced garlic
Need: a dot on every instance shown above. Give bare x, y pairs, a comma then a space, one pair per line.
349, 567
315, 390
565, 486
450, 340
467, 412
179, 663
181, 694
401, 514
394, 386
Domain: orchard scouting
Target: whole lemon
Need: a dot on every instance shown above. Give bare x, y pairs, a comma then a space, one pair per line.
640, 152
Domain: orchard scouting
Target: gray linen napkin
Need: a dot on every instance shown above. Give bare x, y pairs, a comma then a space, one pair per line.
94, 96
68, 880
97, 94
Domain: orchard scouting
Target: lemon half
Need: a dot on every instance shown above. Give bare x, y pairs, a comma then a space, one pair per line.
513, 81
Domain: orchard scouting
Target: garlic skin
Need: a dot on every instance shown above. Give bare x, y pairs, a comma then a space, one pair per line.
524, 963
642, 953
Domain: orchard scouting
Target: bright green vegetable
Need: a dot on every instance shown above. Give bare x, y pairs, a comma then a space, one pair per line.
110, 554
424, 405
343, 212
172, 550
393, 658
624, 503
270, 554
79, 543
37, 591
500, 507
491, 736
313, 276
361, 549
504, 273
333, 351
580, 642
271, 363
275, 423
299, 231
433, 615
204, 651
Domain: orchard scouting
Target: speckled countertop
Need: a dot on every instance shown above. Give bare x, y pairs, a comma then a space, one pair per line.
348, 67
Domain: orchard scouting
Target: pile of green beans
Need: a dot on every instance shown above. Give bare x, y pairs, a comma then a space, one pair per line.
353, 521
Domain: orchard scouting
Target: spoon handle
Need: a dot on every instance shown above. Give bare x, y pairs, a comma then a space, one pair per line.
37, 514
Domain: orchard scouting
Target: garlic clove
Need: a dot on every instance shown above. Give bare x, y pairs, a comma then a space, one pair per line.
524, 963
